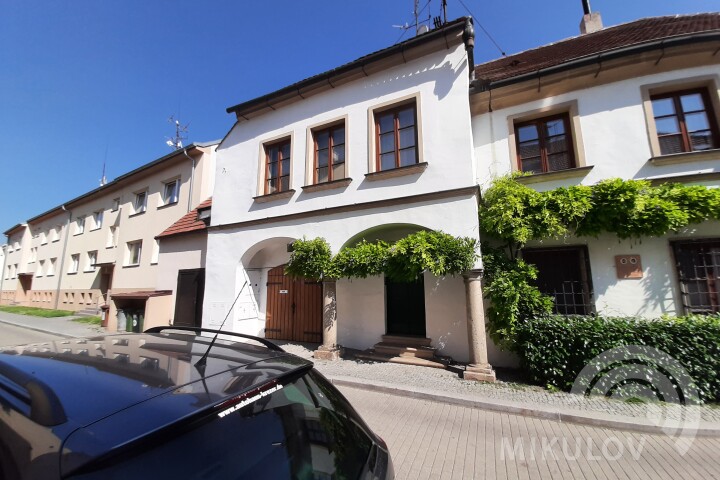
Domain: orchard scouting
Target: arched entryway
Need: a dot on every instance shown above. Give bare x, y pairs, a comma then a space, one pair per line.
294, 308
286, 308
404, 301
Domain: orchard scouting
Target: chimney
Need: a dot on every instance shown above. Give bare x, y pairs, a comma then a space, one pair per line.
591, 21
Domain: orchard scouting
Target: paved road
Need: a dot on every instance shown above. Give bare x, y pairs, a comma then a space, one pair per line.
13, 335
430, 440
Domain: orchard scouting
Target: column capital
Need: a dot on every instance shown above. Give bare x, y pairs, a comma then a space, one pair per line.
473, 275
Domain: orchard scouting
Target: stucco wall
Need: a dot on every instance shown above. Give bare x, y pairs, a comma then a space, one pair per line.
616, 142
440, 81
614, 131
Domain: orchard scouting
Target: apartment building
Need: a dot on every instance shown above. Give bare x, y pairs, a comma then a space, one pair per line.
98, 252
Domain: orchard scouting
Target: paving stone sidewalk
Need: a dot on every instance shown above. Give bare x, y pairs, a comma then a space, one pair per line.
446, 383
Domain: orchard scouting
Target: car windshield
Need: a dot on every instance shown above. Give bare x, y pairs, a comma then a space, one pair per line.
303, 429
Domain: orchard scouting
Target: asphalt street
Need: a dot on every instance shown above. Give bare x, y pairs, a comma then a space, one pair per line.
14, 335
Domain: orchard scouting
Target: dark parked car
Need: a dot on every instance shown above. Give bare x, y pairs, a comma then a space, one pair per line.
176, 403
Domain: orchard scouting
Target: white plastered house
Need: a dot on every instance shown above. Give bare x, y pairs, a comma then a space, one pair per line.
375, 149
635, 101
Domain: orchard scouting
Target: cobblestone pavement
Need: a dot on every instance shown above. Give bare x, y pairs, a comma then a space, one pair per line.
447, 382
431, 440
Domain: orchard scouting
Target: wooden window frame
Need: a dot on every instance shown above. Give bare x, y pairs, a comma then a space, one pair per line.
691, 247
394, 110
330, 165
281, 173
680, 115
570, 139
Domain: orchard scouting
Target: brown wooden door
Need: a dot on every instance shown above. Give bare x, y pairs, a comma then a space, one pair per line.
189, 298
294, 308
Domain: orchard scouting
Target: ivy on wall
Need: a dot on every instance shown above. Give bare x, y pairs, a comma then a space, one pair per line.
514, 214
403, 261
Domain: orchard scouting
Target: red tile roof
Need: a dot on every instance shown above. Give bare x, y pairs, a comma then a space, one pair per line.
188, 223
612, 38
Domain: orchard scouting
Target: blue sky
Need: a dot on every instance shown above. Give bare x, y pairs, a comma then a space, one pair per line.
84, 82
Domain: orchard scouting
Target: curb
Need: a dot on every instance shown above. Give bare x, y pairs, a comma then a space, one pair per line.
595, 419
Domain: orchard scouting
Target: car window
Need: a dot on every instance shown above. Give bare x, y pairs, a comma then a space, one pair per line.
304, 429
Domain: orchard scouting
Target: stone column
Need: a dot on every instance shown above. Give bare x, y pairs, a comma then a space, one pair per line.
329, 350
479, 368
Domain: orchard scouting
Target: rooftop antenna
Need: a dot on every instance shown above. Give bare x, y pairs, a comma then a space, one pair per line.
176, 142
103, 179
420, 27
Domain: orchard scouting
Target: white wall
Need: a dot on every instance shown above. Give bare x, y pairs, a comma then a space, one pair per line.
613, 126
440, 80
361, 321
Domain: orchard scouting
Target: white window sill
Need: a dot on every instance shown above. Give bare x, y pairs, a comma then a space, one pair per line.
416, 169
686, 157
319, 187
167, 205
132, 265
557, 175
271, 197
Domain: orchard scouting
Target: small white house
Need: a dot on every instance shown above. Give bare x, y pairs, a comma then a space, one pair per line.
636, 101
375, 149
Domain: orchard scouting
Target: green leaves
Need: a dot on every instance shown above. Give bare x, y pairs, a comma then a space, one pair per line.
404, 261
516, 214
513, 297
309, 258
555, 349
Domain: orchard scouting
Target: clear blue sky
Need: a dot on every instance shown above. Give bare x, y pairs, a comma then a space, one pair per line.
83, 81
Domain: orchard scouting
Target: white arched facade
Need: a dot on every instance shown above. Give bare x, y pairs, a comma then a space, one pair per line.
240, 254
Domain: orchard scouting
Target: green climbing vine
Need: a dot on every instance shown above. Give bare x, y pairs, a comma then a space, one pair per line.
515, 214
402, 261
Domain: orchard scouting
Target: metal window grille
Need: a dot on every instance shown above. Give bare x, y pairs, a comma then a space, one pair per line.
698, 267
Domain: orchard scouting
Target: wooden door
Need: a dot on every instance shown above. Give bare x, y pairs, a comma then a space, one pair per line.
189, 298
294, 308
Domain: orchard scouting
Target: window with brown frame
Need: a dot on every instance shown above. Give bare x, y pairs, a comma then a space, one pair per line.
277, 167
698, 268
329, 147
396, 137
564, 274
684, 121
545, 144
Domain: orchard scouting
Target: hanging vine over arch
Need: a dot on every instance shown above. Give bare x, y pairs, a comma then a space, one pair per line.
403, 261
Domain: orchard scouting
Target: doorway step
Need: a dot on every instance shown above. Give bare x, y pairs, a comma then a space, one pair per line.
405, 350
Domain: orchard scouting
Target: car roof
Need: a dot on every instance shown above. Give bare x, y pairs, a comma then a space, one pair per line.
90, 379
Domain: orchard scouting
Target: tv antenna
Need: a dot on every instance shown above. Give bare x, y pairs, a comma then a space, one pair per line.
421, 26
176, 142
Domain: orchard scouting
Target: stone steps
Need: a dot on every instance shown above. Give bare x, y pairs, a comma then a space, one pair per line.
406, 341
395, 350
421, 362
87, 312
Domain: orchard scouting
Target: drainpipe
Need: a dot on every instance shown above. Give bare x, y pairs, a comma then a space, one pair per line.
4, 266
62, 257
469, 40
192, 178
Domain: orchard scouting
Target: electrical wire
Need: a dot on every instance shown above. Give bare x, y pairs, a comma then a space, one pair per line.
418, 22
502, 52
